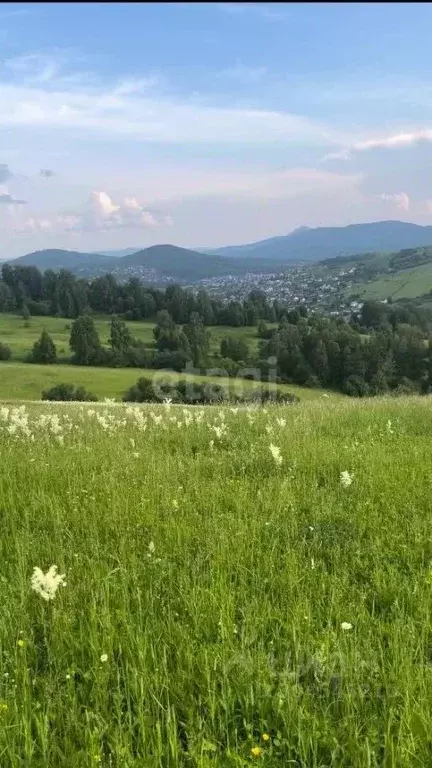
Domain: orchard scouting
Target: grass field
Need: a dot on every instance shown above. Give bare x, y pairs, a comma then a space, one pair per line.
225, 605
21, 381
408, 283
20, 338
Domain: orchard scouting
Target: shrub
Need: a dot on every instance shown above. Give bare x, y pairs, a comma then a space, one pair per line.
189, 392
68, 392
356, 386
5, 352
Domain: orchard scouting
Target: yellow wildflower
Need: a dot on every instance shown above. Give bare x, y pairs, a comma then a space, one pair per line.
265, 737
256, 751
21, 643
3, 707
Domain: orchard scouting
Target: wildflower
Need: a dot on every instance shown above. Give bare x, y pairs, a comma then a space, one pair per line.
275, 452
346, 626
20, 643
345, 478
151, 549
104, 658
46, 584
256, 751
265, 737
281, 422
3, 707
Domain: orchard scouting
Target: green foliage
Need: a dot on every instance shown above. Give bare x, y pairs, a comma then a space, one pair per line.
44, 350
5, 352
236, 348
68, 392
198, 338
84, 341
192, 392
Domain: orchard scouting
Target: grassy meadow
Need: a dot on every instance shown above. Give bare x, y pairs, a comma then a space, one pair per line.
243, 586
21, 336
406, 284
21, 381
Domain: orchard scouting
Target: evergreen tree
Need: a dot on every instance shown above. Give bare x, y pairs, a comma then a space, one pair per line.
84, 341
199, 340
44, 350
120, 338
235, 348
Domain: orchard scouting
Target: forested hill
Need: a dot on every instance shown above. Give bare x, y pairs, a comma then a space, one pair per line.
157, 262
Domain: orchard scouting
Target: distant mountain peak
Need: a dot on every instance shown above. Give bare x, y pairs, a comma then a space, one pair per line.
300, 229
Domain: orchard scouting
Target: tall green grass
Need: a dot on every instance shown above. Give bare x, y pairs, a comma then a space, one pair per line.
216, 583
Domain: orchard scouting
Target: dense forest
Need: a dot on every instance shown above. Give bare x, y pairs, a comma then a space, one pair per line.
387, 347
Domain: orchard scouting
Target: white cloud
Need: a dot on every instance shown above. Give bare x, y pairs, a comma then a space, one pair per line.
34, 67
136, 108
100, 213
400, 200
394, 141
46, 173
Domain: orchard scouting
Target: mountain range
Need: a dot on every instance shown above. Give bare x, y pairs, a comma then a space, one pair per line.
304, 245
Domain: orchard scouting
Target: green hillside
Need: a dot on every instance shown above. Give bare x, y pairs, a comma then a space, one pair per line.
408, 283
403, 274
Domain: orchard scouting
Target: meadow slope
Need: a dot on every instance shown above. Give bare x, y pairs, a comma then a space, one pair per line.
231, 599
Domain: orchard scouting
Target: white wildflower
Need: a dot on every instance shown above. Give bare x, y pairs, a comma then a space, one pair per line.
46, 584
275, 452
345, 478
281, 422
346, 626
104, 658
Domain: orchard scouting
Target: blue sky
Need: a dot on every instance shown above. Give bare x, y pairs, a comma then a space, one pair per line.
209, 124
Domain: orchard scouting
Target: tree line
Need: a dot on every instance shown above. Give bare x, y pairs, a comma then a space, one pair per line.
385, 347
27, 291
305, 349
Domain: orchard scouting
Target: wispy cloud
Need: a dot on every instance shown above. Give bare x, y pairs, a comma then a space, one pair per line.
35, 67
393, 141
46, 173
148, 116
400, 200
